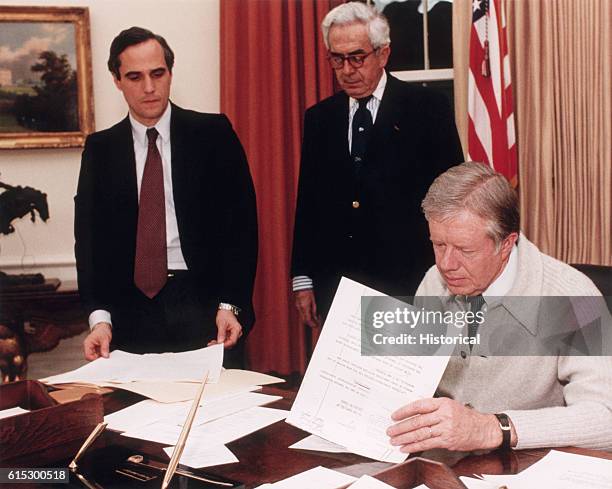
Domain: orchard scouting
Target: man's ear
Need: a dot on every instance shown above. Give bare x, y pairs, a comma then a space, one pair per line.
383, 55
117, 82
507, 244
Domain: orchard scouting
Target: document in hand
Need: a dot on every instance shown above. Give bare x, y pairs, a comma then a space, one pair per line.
123, 367
348, 398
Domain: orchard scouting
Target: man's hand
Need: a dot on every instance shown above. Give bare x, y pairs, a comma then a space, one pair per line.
444, 423
97, 343
228, 329
307, 307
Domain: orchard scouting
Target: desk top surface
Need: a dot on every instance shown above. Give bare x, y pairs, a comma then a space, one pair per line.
264, 456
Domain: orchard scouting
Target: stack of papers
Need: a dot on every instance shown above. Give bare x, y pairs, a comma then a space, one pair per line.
205, 444
166, 377
214, 433
146, 413
122, 367
560, 470
229, 409
217, 422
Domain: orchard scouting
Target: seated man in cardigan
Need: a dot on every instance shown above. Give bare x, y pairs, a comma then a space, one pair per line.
514, 399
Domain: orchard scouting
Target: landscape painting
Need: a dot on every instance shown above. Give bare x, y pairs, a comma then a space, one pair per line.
45, 77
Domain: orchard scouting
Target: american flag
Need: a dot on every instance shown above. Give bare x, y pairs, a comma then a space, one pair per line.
491, 134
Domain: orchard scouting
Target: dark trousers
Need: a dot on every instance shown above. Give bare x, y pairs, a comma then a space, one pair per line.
180, 318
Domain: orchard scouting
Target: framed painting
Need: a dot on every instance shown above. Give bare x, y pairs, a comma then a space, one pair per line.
46, 95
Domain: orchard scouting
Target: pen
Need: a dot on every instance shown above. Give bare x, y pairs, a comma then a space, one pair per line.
97, 431
182, 440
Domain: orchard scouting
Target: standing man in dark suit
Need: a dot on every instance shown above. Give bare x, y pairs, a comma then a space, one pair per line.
165, 218
369, 154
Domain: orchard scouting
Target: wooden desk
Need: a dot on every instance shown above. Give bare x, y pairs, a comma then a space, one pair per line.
264, 456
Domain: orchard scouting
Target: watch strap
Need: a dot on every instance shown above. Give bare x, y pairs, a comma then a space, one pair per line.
506, 429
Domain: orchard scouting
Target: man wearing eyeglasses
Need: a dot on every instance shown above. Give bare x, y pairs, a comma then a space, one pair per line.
369, 154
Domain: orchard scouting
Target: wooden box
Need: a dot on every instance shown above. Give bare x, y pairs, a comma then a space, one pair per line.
48, 425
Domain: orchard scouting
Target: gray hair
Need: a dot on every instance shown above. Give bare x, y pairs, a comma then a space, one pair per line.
357, 12
478, 188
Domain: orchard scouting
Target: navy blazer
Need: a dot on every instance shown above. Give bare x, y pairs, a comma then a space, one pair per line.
215, 209
369, 225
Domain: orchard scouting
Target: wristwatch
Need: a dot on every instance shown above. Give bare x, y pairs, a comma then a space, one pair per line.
504, 424
224, 306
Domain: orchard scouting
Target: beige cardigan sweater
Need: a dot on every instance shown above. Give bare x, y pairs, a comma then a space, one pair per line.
553, 401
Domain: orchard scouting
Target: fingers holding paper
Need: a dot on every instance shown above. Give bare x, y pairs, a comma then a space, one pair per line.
229, 329
97, 343
443, 423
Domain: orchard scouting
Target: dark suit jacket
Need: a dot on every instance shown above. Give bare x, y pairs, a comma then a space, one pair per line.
215, 209
383, 243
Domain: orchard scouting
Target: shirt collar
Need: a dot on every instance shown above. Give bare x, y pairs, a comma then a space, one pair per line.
502, 284
377, 93
139, 130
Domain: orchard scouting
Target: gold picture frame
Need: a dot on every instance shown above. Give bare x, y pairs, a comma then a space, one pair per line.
45, 100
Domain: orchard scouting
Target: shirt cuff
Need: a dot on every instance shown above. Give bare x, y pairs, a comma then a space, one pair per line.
302, 282
99, 316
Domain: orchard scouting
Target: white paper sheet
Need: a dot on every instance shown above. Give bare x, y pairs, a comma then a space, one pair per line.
561, 470
348, 398
197, 456
143, 413
472, 483
213, 410
7, 413
318, 477
230, 382
218, 432
314, 442
147, 412
367, 482
122, 367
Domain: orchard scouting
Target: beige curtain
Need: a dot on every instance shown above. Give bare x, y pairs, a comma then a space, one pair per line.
561, 55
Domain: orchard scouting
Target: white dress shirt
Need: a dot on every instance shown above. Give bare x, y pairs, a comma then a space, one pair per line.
176, 261
502, 284
372, 105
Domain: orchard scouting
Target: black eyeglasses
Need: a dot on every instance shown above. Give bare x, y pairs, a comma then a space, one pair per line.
355, 60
